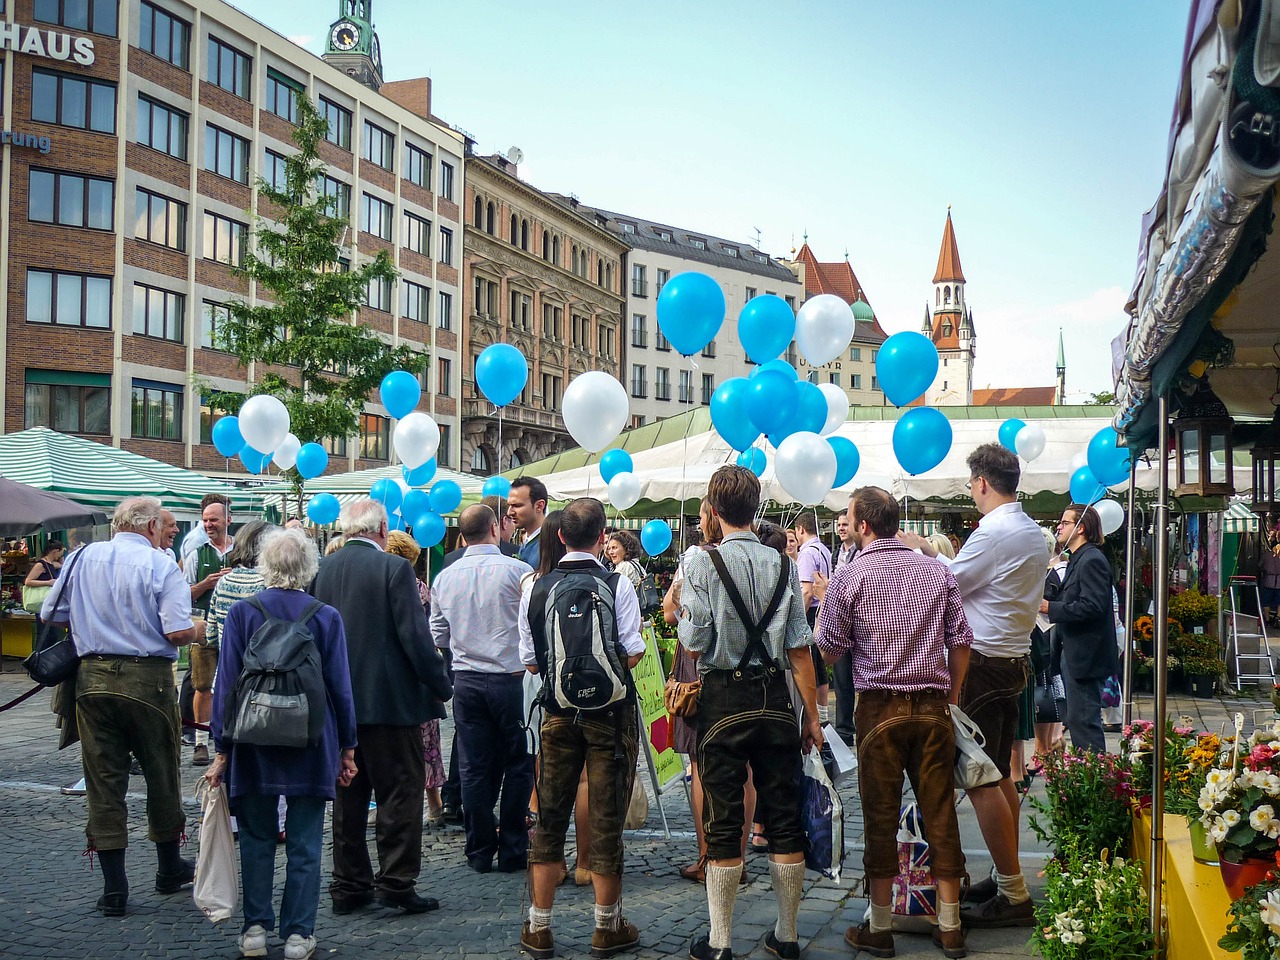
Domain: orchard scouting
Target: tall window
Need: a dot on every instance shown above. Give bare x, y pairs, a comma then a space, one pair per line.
750, 292
417, 167
639, 330
660, 342
274, 171
339, 194
833, 378
604, 339
229, 68
377, 293
855, 353
378, 146
160, 220
443, 454
660, 280
335, 446
339, 118
856, 381
417, 234
551, 387
224, 239
639, 286
158, 313
163, 35
521, 308
662, 383
216, 316
446, 245
68, 299
157, 410
708, 387
686, 386
444, 376
446, 180
552, 320
283, 94
70, 200
638, 386
73, 101
69, 402
95, 16
375, 216
444, 318
162, 128
416, 301
375, 436
226, 154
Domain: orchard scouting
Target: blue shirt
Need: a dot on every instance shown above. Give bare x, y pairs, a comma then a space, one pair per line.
121, 598
474, 608
531, 550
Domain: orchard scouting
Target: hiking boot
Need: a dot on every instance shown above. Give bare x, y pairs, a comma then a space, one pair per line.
200, 755
950, 942
879, 944
605, 943
113, 904
782, 949
253, 942
537, 943
167, 883
999, 912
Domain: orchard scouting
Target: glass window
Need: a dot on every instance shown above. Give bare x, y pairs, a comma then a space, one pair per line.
662, 383
224, 239
339, 194
417, 164
443, 455
339, 119
446, 245
378, 146
226, 154
686, 386
229, 68
708, 387
377, 293
212, 330
163, 35
282, 95
162, 128
158, 313
375, 216
93, 16
660, 279
273, 170
69, 299
157, 410
68, 402
855, 353
445, 315
446, 181
375, 436
70, 200
160, 220
638, 387
444, 376
856, 381
417, 234
416, 302
73, 101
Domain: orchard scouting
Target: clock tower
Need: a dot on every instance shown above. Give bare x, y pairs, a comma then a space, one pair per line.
352, 45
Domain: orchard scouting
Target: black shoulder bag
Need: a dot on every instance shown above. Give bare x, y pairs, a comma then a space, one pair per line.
54, 658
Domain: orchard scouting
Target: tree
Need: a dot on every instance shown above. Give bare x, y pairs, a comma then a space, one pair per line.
310, 352
1103, 398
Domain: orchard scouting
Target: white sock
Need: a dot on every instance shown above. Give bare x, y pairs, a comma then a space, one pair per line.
948, 915
722, 891
202, 737
881, 918
1013, 886
539, 919
788, 885
607, 917
824, 714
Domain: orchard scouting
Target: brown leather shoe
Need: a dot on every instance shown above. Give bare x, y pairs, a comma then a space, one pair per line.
950, 942
878, 944
605, 943
537, 943
999, 912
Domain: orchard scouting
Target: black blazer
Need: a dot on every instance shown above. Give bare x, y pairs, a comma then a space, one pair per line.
397, 676
1083, 618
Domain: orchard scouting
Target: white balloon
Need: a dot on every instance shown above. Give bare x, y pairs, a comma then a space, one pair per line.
1111, 514
415, 438
264, 422
1030, 442
824, 327
595, 409
624, 490
286, 453
806, 466
837, 407
1081, 459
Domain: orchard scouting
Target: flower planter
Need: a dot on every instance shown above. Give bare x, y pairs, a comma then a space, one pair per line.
1203, 850
1237, 876
1202, 684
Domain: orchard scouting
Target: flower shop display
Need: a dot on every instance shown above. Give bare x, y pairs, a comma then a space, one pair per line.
1254, 927
1191, 608
1240, 804
1094, 908
1087, 802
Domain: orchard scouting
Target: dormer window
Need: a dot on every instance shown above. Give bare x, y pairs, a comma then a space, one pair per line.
946, 329
731, 251
697, 243
663, 235
627, 227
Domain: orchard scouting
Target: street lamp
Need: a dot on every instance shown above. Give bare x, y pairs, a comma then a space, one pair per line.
1202, 438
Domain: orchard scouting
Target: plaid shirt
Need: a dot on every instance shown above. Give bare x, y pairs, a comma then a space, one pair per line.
898, 613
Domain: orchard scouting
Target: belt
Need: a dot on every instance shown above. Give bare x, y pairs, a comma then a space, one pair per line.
751, 673
126, 657
975, 655
928, 693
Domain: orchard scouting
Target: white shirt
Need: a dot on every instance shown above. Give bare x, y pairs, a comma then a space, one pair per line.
1000, 571
626, 607
473, 609
190, 565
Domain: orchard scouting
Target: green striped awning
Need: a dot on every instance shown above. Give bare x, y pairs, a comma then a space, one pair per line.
353, 485
1238, 518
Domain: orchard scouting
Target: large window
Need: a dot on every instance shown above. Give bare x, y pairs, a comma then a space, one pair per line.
226, 154
446, 180
68, 299
70, 200
660, 279
73, 101
662, 383
162, 128
339, 118
638, 386
443, 455
375, 436
273, 170
639, 286
444, 376
416, 302
708, 387
224, 239
68, 402
686, 386
417, 165
229, 68
444, 318
157, 410
375, 216
163, 35
639, 330
161, 220
552, 322
417, 234
283, 94
551, 387
856, 381
377, 293
158, 313
213, 325
378, 146
339, 193
446, 245
95, 16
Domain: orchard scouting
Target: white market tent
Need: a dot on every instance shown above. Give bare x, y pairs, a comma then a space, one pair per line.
351, 486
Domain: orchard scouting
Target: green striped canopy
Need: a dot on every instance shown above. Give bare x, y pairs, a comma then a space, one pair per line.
353, 485
1238, 518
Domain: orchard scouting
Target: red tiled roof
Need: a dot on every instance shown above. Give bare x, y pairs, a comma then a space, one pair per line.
948, 256
834, 278
1015, 396
945, 341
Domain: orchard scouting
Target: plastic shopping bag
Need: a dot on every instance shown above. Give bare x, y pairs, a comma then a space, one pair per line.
217, 885
844, 762
823, 816
973, 767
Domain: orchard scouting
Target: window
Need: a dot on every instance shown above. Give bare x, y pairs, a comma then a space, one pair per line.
157, 410
833, 378
790, 355
73, 101
68, 402
873, 355
163, 35
875, 383
443, 456
639, 330
444, 318
226, 154
638, 386
524, 234
375, 216
581, 332
415, 303
417, 167
224, 239
282, 95
375, 436
697, 243
340, 195
212, 330
551, 391
750, 292
377, 293
514, 233
446, 180
158, 313
95, 16
521, 309
710, 349
273, 170
160, 220
229, 68
663, 234
659, 340
708, 387
417, 234
855, 381
70, 200
639, 287
485, 297
378, 146
662, 383
444, 376
335, 446
791, 302
855, 353
446, 245
480, 461
729, 251
686, 386
604, 340
660, 279
339, 119
552, 320
162, 128
812, 377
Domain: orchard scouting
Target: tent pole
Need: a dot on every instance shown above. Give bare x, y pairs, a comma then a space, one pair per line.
1160, 676
1130, 591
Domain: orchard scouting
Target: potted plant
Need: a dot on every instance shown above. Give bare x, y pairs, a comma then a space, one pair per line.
1202, 674
1188, 774
1087, 802
1241, 807
1094, 908
1136, 745
1193, 608
1254, 927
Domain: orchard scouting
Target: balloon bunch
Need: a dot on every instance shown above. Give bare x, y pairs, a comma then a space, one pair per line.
617, 470
1027, 440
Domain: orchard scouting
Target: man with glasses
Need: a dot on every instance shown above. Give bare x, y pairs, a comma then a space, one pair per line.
1000, 572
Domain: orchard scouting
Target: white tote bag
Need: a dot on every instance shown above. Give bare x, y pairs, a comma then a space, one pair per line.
973, 767
217, 885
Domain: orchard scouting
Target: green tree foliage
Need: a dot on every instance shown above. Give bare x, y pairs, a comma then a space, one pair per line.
1104, 397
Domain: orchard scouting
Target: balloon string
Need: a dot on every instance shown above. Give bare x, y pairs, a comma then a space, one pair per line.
498, 410
684, 468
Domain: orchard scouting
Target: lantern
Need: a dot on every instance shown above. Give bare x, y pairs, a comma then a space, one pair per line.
1202, 439
1266, 466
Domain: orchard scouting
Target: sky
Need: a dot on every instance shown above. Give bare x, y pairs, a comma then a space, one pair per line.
1044, 127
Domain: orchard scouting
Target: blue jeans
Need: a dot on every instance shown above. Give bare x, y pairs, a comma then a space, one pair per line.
304, 835
487, 718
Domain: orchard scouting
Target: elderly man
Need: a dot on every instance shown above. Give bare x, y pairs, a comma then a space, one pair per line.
129, 610
395, 673
474, 605
204, 567
527, 507
168, 533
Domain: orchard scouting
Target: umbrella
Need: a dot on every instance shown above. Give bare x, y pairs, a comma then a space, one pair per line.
24, 510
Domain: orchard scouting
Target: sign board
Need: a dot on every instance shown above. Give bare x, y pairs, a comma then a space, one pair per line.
649, 683
50, 44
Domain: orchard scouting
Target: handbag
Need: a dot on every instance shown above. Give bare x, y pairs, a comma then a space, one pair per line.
217, 883
915, 892
973, 767
681, 696
33, 597
1111, 692
54, 657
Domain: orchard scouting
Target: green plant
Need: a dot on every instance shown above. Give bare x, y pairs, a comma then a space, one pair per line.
1094, 908
1193, 607
1241, 799
1087, 801
1203, 666
1254, 927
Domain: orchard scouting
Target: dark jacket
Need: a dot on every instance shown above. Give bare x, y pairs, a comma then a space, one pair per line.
396, 673
504, 546
1083, 618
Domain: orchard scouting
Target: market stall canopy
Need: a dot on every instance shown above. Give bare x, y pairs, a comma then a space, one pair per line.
96, 475
351, 486
1238, 518
25, 510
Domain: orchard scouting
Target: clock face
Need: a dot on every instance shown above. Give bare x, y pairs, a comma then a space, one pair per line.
377, 53
344, 36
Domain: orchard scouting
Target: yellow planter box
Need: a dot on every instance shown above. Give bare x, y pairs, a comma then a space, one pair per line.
17, 633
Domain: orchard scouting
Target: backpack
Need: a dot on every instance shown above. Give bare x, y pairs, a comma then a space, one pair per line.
279, 699
584, 668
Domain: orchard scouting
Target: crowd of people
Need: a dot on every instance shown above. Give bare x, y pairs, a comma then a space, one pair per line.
532, 646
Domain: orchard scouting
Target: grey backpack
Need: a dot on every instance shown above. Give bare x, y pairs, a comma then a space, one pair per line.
585, 668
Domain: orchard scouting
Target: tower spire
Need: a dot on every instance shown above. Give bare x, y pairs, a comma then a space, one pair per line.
948, 256
1062, 370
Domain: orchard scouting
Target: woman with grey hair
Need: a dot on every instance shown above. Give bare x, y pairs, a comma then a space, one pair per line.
305, 776
242, 581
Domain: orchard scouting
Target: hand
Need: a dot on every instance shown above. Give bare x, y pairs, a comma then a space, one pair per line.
212, 579
820, 583
633, 659
1044, 606
213, 776
811, 735
347, 768
917, 542
202, 629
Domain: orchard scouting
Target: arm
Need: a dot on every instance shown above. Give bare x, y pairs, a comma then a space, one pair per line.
33, 580
957, 638
696, 629
175, 607
958, 667
671, 603
1086, 595
627, 610
410, 623
802, 672
337, 680
527, 655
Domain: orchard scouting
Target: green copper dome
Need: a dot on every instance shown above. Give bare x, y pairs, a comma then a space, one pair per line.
862, 310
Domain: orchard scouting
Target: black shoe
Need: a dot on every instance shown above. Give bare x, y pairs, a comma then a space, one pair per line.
513, 866
113, 904
408, 901
451, 815
350, 903
789, 950
700, 949
982, 891
173, 882
1111, 728
135, 768
480, 864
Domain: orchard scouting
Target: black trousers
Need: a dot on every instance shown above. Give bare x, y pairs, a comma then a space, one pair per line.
451, 792
842, 680
392, 771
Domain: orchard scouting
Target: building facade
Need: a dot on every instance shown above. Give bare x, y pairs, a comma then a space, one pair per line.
546, 278
131, 197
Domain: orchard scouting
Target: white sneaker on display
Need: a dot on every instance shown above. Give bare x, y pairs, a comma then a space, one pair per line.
298, 947
253, 942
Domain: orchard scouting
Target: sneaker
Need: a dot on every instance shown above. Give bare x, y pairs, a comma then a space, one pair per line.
605, 943
200, 755
950, 942
537, 943
253, 942
999, 912
879, 944
298, 947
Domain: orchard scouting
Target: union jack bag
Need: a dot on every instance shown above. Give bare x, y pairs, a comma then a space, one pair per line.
915, 894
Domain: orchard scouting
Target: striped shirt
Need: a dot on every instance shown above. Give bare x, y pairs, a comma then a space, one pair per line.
475, 607
238, 584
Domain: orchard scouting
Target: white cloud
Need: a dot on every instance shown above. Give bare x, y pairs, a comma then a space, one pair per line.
303, 40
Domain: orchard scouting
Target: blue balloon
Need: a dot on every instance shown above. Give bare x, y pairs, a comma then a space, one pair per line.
847, 459
1009, 433
766, 325
323, 508
387, 492
775, 439
227, 437
496, 487
729, 413
690, 311
655, 537
400, 392
428, 529
906, 365
1085, 487
921, 439
415, 504
614, 462
1107, 459
780, 365
312, 460
396, 522
445, 496
501, 373
254, 460
420, 476
811, 408
771, 401
753, 459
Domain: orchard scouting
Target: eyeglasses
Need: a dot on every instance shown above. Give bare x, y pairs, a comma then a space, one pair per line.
968, 484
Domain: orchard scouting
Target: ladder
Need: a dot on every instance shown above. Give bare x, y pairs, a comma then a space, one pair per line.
1253, 664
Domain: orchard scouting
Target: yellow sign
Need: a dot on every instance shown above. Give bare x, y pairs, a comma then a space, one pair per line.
649, 683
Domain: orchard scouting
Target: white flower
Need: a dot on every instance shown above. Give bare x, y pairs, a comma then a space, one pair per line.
1271, 785
1271, 910
1261, 816
1230, 818
1218, 778
1218, 831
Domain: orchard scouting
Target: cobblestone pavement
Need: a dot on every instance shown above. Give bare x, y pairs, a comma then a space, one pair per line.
49, 889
